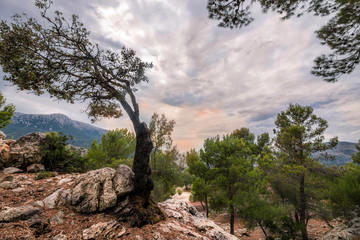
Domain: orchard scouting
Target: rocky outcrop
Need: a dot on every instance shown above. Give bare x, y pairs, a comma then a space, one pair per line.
184, 213
345, 231
25, 151
2, 135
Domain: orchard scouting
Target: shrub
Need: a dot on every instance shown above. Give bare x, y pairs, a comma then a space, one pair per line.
44, 174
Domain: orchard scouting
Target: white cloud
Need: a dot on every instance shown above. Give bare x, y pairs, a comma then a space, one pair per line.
213, 80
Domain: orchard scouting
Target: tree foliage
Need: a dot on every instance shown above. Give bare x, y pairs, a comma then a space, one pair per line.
341, 34
6, 112
161, 129
57, 156
115, 147
298, 135
57, 56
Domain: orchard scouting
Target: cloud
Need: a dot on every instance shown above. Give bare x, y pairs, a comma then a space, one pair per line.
211, 80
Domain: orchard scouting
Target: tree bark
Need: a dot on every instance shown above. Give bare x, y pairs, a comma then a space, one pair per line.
232, 219
143, 182
207, 206
302, 214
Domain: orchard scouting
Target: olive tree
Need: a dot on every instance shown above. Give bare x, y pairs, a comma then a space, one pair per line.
58, 57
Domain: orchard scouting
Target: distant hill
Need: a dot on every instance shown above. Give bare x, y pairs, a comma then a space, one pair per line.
342, 153
82, 133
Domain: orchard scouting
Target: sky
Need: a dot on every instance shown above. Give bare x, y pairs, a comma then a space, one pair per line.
209, 79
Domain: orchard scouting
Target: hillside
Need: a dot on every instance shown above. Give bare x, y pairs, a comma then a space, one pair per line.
83, 133
342, 153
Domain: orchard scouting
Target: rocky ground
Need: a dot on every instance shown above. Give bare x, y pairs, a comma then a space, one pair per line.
33, 209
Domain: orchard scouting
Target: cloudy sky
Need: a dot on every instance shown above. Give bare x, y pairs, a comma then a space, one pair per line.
210, 80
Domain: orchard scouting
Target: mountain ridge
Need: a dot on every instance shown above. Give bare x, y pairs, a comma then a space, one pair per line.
83, 133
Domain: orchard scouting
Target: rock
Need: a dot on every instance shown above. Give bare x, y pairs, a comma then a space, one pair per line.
41, 225
11, 170
105, 229
27, 183
60, 237
35, 167
185, 213
94, 191
57, 218
18, 213
2, 135
65, 180
124, 180
25, 151
52, 200
22, 178
174, 226
18, 190
9, 185
8, 178
344, 232
39, 204
4, 153
9, 141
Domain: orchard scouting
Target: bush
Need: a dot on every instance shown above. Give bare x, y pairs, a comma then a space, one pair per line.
179, 191
57, 156
44, 174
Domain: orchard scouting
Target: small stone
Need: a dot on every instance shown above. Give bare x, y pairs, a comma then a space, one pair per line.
57, 218
27, 183
65, 180
11, 170
36, 167
39, 204
60, 237
9, 185
8, 178
18, 190
22, 178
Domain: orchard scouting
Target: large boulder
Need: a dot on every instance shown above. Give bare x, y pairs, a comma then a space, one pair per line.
99, 190
25, 151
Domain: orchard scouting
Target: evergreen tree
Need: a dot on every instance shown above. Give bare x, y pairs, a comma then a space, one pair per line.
298, 135
115, 147
6, 112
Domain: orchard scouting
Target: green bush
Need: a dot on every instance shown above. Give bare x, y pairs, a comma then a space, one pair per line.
44, 174
179, 191
57, 156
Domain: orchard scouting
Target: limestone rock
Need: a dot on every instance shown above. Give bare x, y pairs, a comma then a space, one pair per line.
94, 191
35, 167
344, 232
185, 213
9, 141
58, 218
11, 170
105, 229
18, 190
60, 237
2, 135
25, 151
124, 180
18, 213
65, 180
52, 200
9, 185
39, 204
4, 152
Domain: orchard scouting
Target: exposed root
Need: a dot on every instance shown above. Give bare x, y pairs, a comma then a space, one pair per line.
138, 213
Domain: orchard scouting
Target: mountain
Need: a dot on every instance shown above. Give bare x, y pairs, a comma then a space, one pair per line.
82, 133
342, 153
